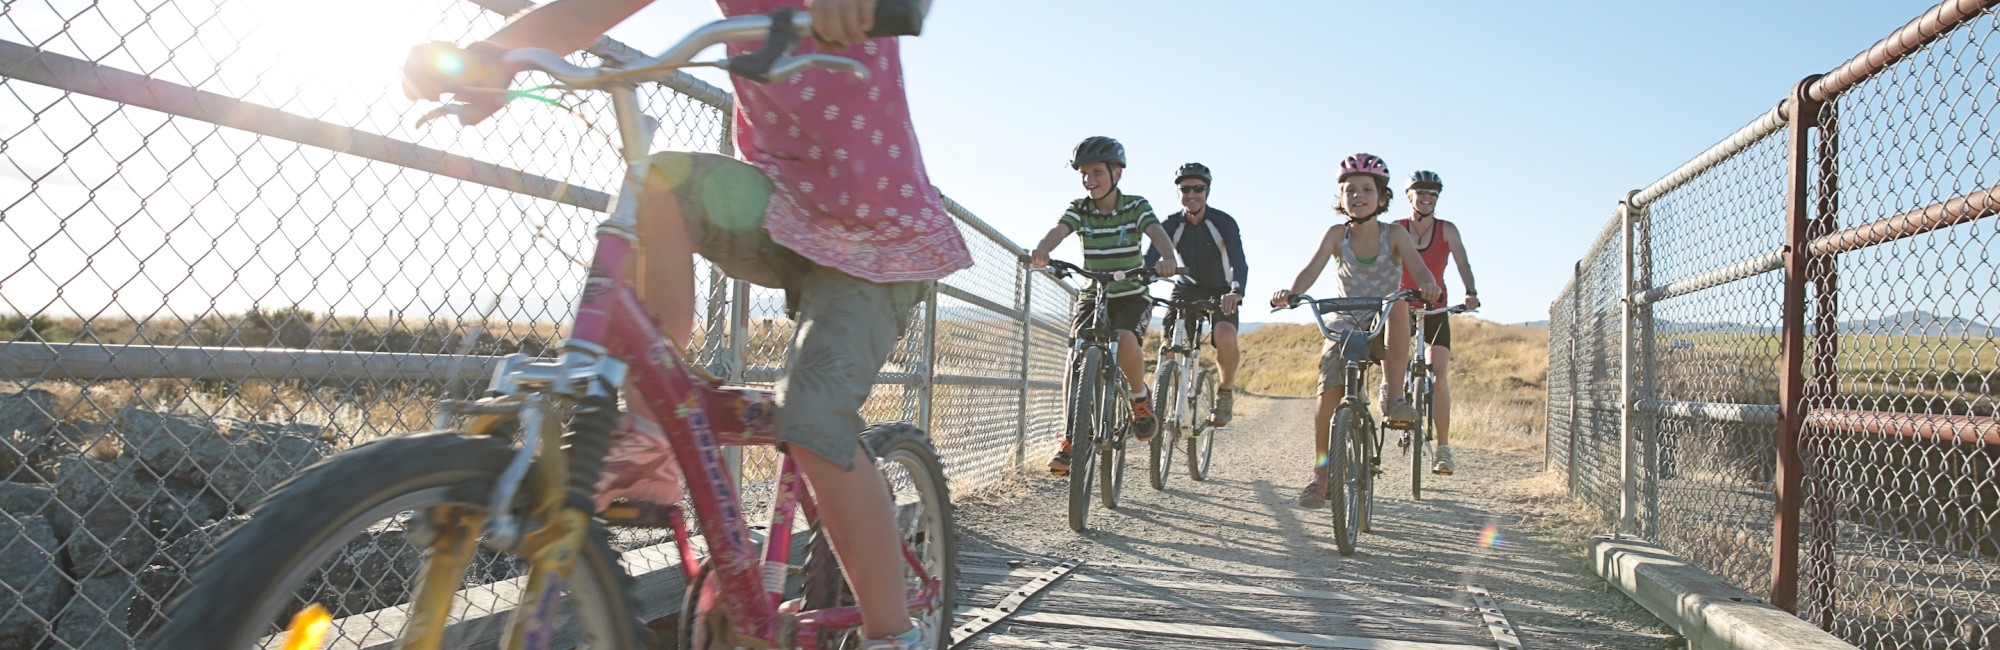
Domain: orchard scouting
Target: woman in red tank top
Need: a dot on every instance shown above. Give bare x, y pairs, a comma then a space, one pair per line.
1437, 241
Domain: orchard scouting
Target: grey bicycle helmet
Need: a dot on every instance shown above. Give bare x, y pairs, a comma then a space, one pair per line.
1097, 148
1193, 170
1425, 180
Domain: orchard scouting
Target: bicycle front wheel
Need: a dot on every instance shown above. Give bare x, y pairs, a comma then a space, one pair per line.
1166, 400
1201, 438
348, 533
1082, 438
1346, 463
1420, 436
1117, 418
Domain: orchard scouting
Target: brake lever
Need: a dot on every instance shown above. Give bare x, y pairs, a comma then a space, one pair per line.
791, 66
435, 113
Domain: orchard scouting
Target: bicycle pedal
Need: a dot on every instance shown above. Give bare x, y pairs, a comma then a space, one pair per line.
633, 514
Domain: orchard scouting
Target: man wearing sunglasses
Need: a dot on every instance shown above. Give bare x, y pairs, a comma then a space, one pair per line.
1212, 266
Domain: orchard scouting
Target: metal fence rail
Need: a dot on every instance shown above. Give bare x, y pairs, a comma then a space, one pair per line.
1783, 348
219, 264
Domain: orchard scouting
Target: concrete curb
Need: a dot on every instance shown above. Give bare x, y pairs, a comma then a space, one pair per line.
1709, 613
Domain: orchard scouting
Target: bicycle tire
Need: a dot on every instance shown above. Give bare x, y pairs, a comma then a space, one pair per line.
1082, 441
1201, 444
1345, 463
240, 592
1117, 413
1420, 437
1366, 447
1166, 393
896, 444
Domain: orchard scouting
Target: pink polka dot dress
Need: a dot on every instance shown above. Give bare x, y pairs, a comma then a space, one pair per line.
851, 191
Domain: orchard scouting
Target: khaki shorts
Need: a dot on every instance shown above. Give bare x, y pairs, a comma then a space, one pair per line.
847, 327
1333, 356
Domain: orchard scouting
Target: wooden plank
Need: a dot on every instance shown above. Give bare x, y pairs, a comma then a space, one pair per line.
1504, 637
1179, 585
986, 618
1236, 634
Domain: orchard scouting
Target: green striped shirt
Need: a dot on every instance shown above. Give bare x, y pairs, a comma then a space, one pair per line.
1115, 241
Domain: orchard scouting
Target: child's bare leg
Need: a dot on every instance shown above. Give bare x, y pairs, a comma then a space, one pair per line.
1396, 359
1329, 400
664, 263
856, 512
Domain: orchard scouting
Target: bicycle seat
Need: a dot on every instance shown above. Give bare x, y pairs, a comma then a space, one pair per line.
1356, 346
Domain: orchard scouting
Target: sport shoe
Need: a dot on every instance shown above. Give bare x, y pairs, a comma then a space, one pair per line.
1313, 497
1443, 466
1399, 414
916, 637
1225, 406
1059, 465
1142, 418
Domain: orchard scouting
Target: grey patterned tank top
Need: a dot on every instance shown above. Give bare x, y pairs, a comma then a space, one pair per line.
1357, 280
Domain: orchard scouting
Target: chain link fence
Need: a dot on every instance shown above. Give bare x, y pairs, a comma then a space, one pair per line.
1778, 361
227, 253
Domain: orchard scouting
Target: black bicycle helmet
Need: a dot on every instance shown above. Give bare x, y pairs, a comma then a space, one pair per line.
1097, 148
1195, 170
1425, 180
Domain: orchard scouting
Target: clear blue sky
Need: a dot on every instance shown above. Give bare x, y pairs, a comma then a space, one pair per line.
1539, 115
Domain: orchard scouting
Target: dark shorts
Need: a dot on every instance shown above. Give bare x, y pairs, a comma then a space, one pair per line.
1437, 330
1130, 313
1173, 317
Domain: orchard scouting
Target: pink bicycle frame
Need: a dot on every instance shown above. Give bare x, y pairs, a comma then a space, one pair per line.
699, 419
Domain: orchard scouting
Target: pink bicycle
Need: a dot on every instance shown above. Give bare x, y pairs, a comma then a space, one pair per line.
514, 495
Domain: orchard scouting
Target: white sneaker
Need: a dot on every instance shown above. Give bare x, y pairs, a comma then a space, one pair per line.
1443, 466
917, 638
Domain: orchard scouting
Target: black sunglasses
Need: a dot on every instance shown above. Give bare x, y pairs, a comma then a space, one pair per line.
1193, 189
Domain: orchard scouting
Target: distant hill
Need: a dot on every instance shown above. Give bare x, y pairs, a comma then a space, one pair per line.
1918, 323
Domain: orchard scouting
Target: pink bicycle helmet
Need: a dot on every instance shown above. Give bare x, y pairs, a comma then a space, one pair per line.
1364, 163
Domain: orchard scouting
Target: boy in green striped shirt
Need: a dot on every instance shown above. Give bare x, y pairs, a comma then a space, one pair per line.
1111, 224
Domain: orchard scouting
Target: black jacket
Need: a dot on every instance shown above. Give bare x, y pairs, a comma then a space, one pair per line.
1205, 263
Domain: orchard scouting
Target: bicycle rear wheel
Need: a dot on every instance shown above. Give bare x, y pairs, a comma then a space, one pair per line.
1201, 436
348, 534
924, 514
1166, 400
1346, 463
1082, 438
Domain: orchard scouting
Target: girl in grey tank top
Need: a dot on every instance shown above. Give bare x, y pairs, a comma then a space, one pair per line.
1373, 279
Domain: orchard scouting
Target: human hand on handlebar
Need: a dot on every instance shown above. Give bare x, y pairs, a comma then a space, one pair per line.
1430, 292
1281, 299
842, 22
475, 76
1471, 302
1165, 268
1038, 258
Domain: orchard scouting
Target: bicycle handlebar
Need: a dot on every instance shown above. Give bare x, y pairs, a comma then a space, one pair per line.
780, 31
1063, 269
1380, 306
1454, 309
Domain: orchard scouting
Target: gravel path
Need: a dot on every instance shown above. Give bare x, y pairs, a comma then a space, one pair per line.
1161, 554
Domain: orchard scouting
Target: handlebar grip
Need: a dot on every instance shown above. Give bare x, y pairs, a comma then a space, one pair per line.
899, 18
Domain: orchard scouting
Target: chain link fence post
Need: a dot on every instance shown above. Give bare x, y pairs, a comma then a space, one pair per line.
1802, 112
1628, 502
1024, 300
1575, 319
1647, 426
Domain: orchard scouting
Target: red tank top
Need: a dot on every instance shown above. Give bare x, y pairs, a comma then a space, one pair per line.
1434, 252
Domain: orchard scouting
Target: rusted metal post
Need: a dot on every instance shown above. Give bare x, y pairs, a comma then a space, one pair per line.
1826, 375
1802, 111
